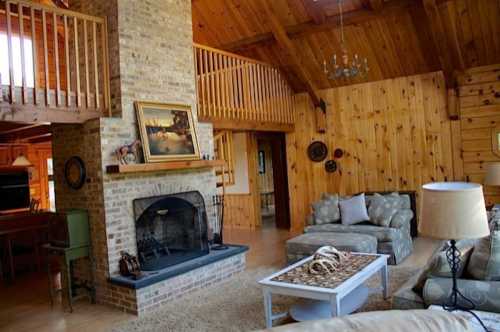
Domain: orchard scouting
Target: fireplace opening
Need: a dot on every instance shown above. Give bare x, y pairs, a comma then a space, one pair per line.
170, 229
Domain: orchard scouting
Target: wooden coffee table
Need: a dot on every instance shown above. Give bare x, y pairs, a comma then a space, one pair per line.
339, 298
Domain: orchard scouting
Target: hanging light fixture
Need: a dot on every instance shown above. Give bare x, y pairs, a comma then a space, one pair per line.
342, 67
22, 161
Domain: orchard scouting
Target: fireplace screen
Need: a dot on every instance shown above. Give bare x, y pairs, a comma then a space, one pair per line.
170, 229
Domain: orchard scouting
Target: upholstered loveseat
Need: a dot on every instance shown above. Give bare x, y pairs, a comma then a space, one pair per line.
393, 239
478, 275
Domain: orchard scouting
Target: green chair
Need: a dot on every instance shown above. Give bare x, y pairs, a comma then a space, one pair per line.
69, 239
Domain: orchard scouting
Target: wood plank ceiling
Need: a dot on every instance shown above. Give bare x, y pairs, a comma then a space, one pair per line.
399, 37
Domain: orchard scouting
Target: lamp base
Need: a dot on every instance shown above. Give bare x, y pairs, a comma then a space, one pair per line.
453, 303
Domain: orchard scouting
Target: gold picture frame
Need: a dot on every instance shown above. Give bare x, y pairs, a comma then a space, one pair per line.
167, 132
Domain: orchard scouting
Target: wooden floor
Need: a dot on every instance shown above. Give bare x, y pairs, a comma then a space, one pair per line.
24, 305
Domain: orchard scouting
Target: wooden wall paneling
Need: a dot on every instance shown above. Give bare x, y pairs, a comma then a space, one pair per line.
395, 134
238, 211
37, 154
5, 155
253, 174
479, 114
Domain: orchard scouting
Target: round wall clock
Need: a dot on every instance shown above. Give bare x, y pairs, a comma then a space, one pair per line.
74, 172
317, 151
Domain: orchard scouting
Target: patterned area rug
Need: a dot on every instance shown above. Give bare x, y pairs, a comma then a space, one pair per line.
237, 305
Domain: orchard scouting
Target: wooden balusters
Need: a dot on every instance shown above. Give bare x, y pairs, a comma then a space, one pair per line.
77, 63
86, 63
45, 58
34, 54
56, 59
21, 45
12, 96
66, 47
96, 69
232, 87
66, 57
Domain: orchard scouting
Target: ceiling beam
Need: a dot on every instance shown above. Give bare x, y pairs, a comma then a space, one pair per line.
290, 51
25, 133
314, 10
330, 22
440, 41
40, 139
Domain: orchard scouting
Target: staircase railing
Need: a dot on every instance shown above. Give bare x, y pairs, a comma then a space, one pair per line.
57, 61
232, 87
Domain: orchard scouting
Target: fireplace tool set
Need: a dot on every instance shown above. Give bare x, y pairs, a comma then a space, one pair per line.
218, 202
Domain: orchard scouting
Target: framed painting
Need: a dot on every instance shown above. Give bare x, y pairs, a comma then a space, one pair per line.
167, 132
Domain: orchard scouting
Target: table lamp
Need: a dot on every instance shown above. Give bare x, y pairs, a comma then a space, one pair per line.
453, 211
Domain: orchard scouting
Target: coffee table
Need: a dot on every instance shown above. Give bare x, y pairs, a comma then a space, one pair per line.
340, 299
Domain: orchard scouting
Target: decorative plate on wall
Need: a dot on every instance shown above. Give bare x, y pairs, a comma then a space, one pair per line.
317, 151
75, 172
331, 166
339, 153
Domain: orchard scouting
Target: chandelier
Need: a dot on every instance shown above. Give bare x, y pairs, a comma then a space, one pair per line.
343, 67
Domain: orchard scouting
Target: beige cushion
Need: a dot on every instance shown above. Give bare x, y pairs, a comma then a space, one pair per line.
378, 321
439, 266
485, 259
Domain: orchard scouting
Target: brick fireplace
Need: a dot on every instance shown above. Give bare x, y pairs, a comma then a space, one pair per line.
151, 59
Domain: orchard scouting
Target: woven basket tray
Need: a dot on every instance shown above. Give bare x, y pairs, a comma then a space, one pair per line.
300, 275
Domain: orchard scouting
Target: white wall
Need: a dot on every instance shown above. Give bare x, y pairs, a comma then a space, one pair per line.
241, 185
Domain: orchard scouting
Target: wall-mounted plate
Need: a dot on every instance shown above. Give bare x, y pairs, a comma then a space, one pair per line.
317, 151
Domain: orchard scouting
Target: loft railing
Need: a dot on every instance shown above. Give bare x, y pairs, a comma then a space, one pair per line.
54, 60
232, 87
223, 148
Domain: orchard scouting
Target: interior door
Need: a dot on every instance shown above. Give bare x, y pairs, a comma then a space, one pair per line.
280, 178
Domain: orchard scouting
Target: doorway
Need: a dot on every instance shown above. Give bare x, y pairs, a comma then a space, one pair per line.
273, 180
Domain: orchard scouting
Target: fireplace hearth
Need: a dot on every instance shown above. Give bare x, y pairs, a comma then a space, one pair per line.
170, 229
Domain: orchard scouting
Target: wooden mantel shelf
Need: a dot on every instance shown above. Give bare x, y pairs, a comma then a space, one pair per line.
164, 166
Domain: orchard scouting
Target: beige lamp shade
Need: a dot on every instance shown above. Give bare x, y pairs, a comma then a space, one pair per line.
492, 175
22, 161
453, 211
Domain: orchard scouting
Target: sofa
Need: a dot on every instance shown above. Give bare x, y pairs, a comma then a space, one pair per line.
478, 275
393, 239
392, 320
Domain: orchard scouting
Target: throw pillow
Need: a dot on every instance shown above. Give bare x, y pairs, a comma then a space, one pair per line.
439, 266
485, 259
382, 209
327, 210
353, 210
